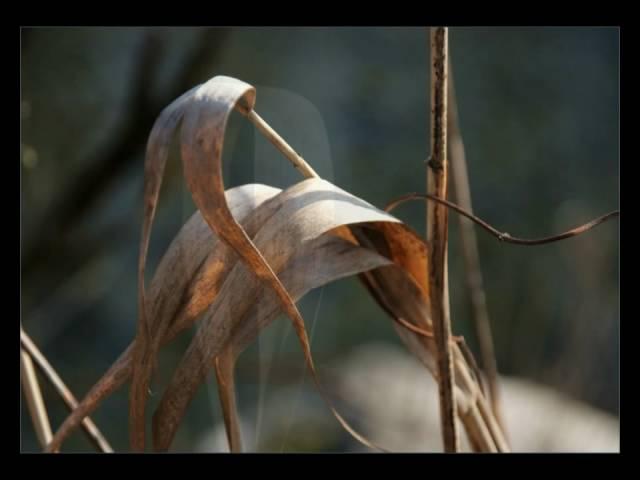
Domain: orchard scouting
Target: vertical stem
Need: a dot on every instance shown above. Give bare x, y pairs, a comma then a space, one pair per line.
437, 236
32, 392
462, 195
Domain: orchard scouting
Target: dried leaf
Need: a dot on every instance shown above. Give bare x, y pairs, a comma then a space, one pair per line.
190, 266
324, 260
191, 272
205, 111
403, 298
308, 210
202, 140
278, 233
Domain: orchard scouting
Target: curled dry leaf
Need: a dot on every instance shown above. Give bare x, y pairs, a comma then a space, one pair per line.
306, 211
191, 273
184, 283
323, 260
270, 232
204, 112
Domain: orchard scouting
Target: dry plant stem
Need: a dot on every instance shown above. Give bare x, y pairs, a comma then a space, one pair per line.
282, 145
480, 417
492, 423
92, 431
462, 195
468, 390
475, 424
437, 237
32, 392
503, 236
477, 427
464, 349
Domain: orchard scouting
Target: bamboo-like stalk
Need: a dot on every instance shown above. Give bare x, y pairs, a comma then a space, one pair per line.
437, 233
92, 431
35, 403
462, 195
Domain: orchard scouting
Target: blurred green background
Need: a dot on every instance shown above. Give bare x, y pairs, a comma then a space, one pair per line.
539, 113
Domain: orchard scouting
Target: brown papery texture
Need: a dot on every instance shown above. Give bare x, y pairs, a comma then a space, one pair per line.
245, 257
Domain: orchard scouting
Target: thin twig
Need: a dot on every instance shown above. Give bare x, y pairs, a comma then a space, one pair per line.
437, 233
503, 236
462, 194
281, 144
92, 431
33, 394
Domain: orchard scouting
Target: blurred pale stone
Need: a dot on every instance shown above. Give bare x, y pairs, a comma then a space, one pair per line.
395, 401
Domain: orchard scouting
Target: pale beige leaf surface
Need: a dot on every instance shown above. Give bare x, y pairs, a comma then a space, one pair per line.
195, 265
321, 261
187, 265
308, 210
202, 139
204, 112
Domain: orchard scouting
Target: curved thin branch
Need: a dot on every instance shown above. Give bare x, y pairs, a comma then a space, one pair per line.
502, 236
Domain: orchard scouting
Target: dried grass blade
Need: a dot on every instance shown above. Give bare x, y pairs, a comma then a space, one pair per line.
328, 258
35, 402
93, 433
192, 265
155, 162
310, 208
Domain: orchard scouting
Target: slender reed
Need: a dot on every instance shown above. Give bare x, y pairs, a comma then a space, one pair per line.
92, 431
462, 194
35, 403
437, 232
